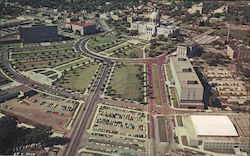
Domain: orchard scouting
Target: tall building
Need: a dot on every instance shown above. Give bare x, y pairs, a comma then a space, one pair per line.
188, 86
154, 27
39, 33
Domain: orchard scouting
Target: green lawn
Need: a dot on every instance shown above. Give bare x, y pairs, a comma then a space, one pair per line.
104, 39
44, 52
126, 82
162, 129
78, 79
190, 27
169, 72
76, 63
156, 85
174, 96
24, 66
107, 40
130, 52
10, 45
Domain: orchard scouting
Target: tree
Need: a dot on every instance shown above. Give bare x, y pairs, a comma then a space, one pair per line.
39, 134
7, 134
213, 99
152, 46
161, 37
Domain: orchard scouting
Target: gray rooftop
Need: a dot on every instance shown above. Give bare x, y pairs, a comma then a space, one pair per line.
185, 72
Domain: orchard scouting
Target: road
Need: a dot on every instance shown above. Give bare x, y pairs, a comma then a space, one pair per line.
80, 125
33, 84
80, 46
82, 119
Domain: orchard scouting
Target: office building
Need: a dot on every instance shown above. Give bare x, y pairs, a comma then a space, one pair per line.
188, 86
39, 33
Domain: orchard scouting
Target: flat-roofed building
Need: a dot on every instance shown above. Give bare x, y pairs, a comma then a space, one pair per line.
188, 86
82, 28
19, 91
216, 132
39, 33
211, 125
235, 52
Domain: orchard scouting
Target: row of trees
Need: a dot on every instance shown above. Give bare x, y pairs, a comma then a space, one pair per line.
79, 5
213, 59
12, 136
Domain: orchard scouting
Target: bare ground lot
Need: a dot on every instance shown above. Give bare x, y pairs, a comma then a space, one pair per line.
40, 110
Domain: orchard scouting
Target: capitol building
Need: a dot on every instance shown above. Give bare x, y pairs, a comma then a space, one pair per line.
154, 27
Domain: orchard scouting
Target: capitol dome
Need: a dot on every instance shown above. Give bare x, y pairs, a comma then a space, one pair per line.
155, 17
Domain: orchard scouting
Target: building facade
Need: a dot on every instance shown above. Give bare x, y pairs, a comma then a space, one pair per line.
236, 52
188, 86
187, 49
39, 33
239, 139
154, 27
82, 28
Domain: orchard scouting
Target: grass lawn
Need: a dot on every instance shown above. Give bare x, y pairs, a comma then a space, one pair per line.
78, 79
156, 85
24, 66
174, 96
49, 73
10, 45
130, 52
169, 72
179, 120
190, 27
42, 52
102, 40
126, 83
162, 129
72, 64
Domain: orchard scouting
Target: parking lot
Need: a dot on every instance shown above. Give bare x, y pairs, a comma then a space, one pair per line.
230, 87
42, 109
118, 130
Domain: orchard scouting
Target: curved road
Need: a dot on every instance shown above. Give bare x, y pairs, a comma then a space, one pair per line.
33, 84
80, 124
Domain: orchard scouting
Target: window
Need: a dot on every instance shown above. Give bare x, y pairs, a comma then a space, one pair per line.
192, 82
186, 70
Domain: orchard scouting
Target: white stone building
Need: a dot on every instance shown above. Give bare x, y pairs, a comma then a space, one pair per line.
154, 27
217, 132
189, 89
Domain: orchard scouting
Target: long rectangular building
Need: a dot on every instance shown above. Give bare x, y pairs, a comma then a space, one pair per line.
39, 33
188, 86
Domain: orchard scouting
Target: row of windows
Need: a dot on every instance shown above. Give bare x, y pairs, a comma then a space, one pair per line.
226, 145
